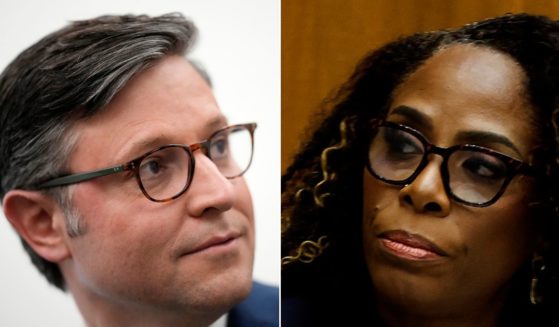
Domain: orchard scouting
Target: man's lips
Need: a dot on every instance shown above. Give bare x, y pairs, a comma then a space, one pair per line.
213, 241
411, 246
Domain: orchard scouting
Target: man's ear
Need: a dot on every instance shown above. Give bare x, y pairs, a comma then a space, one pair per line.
39, 221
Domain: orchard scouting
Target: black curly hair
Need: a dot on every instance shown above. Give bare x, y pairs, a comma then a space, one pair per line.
322, 256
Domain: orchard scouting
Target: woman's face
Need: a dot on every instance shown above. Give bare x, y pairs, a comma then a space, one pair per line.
462, 94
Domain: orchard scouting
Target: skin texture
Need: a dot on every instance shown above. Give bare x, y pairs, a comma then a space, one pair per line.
462, 88
134, 263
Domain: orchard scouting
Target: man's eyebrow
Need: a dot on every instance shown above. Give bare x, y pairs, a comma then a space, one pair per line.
147, 143
484, 137
141, 146
216, 123
414, 116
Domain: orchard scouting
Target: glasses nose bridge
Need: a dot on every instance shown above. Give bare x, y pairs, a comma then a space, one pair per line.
203, 146
433, 149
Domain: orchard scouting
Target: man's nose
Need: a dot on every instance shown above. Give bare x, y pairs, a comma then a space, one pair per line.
426, 193
210, 190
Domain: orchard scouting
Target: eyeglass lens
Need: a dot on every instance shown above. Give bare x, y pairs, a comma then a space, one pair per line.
167, 172
231, 151
395, 155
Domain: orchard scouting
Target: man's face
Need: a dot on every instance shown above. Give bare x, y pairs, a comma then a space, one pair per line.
135, 252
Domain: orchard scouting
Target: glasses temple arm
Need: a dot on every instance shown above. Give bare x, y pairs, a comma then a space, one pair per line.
76, 178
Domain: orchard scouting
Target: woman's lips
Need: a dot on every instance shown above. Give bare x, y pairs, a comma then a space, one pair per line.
410, 246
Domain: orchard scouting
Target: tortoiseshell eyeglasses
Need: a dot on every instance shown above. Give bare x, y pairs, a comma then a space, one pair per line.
471, 174
165, 173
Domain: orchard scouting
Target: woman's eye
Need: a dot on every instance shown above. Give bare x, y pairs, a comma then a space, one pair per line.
400, 143
404, 147
484, 168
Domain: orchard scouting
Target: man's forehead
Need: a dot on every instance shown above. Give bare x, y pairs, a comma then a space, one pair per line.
169, 102
172, 83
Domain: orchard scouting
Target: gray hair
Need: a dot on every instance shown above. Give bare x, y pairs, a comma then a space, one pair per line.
69, 75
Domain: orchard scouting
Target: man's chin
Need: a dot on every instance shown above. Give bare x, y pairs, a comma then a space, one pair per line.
224, 292
237, 290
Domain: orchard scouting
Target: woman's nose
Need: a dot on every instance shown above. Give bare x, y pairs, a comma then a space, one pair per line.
426, 193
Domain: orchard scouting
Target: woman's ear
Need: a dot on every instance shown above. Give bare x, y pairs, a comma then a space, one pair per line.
39, 221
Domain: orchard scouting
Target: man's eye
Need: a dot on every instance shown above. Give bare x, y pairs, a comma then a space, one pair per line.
219, 148
152, 167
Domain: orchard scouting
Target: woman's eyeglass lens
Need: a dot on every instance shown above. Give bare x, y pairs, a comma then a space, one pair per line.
472, 175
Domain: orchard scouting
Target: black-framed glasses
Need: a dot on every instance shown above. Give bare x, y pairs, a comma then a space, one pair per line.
471, 174
165, 173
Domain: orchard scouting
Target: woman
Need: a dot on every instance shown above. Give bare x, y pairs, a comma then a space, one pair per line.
428, 195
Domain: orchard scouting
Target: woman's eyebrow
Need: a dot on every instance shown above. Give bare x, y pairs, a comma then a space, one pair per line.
484, 137
414, 116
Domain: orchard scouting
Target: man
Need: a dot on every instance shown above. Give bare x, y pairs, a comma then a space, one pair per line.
124, 179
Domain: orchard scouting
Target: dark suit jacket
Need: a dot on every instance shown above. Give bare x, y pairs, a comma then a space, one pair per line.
261, 308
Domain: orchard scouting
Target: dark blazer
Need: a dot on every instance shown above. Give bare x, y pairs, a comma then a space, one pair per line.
261, 308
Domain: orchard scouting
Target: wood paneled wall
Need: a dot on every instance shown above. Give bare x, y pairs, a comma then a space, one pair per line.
322, 40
